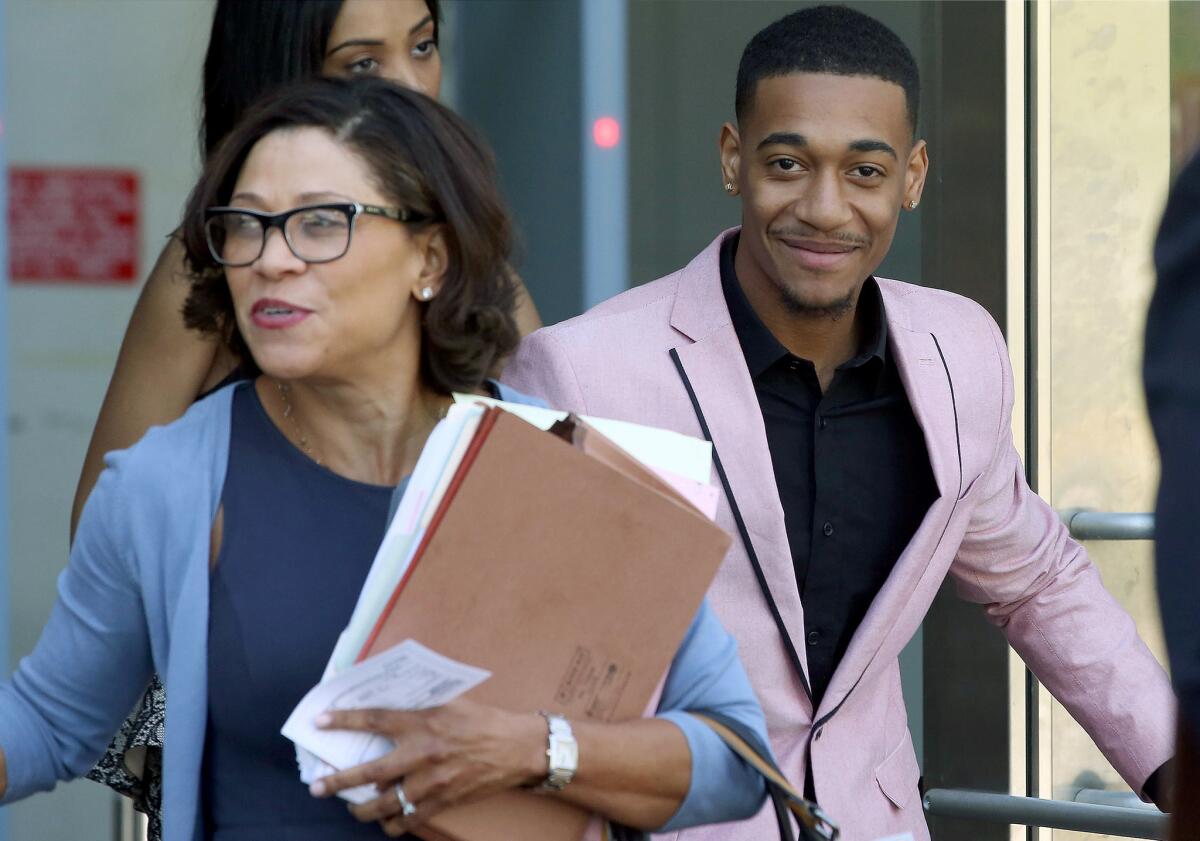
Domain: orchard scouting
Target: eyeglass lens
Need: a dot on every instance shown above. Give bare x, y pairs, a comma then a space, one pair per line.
315, 235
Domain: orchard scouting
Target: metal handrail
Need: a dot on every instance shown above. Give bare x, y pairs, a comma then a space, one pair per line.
1107, 525
1104, 797
1052, 814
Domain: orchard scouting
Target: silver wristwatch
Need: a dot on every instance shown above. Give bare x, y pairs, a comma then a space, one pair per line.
562, 753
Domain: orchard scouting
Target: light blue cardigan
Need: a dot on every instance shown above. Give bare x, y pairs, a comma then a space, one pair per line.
134, 600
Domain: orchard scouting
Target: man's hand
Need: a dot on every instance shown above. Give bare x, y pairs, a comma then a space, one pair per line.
1160, 786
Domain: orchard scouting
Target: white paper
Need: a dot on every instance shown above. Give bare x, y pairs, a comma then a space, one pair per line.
407, 676
437, 464
313, 769
660, 449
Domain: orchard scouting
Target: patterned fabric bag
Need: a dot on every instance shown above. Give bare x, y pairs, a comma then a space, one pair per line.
132, 765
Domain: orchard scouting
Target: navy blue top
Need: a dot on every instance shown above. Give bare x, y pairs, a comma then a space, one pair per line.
280, 594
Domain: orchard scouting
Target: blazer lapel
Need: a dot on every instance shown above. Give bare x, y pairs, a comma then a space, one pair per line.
715, 370
930, 389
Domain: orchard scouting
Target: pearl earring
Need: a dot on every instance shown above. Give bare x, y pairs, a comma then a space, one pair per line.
427, 293
912, 205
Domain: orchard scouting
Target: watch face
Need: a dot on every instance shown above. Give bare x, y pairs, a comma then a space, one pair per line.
564, 754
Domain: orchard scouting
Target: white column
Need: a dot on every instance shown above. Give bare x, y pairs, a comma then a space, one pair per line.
605, 150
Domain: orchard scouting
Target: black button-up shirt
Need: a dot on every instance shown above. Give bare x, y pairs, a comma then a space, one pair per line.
850, 464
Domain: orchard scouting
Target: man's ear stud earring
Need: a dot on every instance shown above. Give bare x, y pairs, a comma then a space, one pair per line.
427, 293
729, 187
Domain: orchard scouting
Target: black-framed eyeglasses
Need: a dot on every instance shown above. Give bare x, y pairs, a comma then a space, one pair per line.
315, 233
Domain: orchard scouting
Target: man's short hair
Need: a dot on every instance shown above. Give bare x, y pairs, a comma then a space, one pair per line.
828, 39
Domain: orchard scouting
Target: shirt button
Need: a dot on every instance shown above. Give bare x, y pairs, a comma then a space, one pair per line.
828, 529
814, 637
824, 423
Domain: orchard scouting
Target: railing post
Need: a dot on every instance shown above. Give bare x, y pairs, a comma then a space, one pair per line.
1052, 814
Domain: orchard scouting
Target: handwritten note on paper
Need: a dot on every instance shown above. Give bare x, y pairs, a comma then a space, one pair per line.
407, 676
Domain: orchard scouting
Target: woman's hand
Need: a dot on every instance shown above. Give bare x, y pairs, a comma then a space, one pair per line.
444, 756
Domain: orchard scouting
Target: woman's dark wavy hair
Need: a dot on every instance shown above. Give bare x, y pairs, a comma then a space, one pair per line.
423, 157
258, 45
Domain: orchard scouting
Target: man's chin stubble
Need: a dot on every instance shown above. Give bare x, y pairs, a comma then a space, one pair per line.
833, 310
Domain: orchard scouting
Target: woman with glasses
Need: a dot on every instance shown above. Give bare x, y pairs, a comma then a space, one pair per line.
255, 45
164, 364
348, 240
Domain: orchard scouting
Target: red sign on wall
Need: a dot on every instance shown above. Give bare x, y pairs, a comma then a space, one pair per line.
73, 225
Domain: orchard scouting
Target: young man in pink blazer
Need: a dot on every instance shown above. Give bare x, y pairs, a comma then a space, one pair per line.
862, 433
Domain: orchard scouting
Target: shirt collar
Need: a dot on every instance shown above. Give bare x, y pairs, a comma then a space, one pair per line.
870, 308
762, 349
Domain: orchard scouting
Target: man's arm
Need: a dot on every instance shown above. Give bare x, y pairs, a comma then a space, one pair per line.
1039, 586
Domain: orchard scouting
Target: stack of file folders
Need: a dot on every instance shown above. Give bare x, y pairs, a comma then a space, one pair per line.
531, 545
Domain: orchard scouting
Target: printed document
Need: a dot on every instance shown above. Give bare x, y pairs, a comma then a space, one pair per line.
407, 676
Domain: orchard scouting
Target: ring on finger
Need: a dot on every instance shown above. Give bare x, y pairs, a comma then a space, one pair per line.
407, 808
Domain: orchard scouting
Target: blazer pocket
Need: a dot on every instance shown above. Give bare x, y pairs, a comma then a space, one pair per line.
899, 773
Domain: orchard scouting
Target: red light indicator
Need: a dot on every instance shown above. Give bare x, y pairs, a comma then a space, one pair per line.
606, 132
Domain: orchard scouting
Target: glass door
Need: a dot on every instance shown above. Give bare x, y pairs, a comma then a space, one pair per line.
1113, 104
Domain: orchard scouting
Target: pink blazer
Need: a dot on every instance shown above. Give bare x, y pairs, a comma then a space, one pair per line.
1004, 546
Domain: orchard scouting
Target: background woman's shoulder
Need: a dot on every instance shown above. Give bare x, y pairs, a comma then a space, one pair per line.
172, 450
169, 478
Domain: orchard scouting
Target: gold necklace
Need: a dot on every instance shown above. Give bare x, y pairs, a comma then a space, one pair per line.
290, 414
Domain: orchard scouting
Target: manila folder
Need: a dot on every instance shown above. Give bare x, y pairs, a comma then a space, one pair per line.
569, 578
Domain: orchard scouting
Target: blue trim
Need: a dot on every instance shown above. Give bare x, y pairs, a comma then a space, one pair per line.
5, 612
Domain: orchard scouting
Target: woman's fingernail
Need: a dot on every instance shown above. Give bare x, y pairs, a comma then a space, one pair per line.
317, 789
323, 720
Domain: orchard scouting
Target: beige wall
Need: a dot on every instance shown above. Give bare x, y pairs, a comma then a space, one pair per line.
89, 83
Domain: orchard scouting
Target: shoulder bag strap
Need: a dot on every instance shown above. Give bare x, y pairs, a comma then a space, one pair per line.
814, 824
